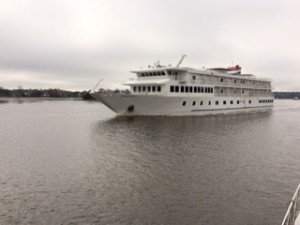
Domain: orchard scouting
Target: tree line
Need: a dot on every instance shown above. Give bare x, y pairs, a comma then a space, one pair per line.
287, 95
37, 93
58, 93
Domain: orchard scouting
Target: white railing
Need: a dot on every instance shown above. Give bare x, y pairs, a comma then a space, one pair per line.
293, 209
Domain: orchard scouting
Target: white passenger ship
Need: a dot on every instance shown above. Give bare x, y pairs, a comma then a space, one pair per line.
167, 90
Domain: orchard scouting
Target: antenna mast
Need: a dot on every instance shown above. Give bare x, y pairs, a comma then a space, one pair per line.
180, 61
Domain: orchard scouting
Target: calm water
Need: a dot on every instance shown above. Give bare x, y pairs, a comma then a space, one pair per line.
74, 162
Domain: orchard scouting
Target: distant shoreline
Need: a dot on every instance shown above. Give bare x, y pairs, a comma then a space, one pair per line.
58, 93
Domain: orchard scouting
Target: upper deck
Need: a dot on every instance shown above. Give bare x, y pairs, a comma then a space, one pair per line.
185, 75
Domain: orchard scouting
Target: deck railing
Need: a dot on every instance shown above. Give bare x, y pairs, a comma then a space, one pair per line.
293, 209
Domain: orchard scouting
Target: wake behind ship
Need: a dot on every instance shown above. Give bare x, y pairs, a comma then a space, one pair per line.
166, 90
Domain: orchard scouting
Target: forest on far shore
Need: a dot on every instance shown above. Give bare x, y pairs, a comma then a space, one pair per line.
58, 93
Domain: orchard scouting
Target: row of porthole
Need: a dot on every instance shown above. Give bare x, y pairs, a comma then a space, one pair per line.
225, 102
266, 101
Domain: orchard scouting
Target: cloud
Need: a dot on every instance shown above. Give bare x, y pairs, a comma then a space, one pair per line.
71, 44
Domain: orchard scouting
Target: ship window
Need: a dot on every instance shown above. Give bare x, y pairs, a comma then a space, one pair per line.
201, 103
194, 102
139, 88
249, 101
184, 103
199, 89
154, 74
221, 79
191, 89
153, 88
212, 90
134, 88
163, 73
176, 88
241, 81
253, 82
235, 81
237, 102
222, 91
169, 72
195, 89
158, 88
206, 90
217, 102
158, 73
149, 88
186, 89
209, 102
231, 102
242, 92
202, 89
144, 88
175, 73
224, 102
171, 88
182, 89
194, 77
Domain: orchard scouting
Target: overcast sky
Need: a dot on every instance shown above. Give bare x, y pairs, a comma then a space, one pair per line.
71, 44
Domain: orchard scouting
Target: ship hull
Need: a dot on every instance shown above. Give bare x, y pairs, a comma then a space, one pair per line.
154, 105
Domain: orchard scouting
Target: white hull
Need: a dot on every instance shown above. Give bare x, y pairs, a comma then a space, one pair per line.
156, 105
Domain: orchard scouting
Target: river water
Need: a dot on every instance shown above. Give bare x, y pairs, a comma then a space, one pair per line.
75, 162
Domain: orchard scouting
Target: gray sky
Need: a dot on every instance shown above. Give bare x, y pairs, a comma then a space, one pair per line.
71, 44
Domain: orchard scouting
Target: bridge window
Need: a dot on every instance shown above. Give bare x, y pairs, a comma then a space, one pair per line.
224, 102
217, 102
195, 89
201, 103
184, 103
194, 102
182, 89
231, 102
221, 79
149, 88
163, 73
186, 89
172, 88
237, 102
134, 88
144, 88
177, 89
158, 88
153, 88
194, 77
169, 72
191, 89
249, 101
